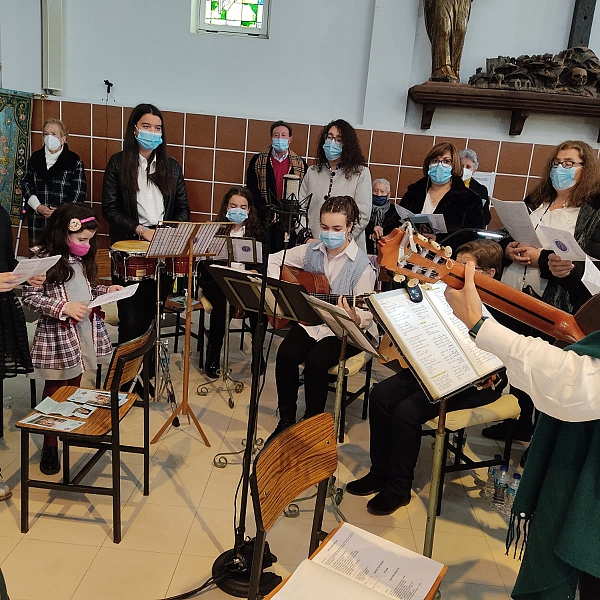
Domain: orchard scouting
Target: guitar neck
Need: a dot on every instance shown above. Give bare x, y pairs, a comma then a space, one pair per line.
525, 308
333, 298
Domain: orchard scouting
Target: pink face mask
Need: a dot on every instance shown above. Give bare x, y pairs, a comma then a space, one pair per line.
78, 249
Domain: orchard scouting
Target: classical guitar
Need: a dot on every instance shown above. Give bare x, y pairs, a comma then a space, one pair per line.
413, 255
316, 284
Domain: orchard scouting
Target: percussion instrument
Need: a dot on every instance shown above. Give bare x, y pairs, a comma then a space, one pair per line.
177, 266
129, 261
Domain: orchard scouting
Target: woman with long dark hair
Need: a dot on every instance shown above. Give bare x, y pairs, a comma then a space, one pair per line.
236, 207
340, 169
142, 186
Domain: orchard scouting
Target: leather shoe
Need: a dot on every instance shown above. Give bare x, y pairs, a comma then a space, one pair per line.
521, 431
49, 464
365, 486
387, 502
5, 491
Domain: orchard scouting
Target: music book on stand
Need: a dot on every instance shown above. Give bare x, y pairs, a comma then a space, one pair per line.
354, 563
434, 342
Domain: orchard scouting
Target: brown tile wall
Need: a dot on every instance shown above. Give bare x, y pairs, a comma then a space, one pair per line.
215, 151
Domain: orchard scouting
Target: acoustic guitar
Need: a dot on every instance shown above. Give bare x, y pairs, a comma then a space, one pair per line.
413, 255
317, 285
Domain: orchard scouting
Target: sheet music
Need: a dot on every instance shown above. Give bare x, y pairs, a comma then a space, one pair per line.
126, 292
515, 217
591, 277
30, 267
206, 241
170, 239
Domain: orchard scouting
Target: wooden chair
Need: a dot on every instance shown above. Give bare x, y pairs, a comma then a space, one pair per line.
353, 365
100, 431
301, 456
506, 407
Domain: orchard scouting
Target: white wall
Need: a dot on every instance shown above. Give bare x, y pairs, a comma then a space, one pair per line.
339, 58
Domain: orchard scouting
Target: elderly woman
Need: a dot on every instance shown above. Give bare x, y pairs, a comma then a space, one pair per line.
54, 175
441, 190
567, 198
381, 212
340, 169
470, 164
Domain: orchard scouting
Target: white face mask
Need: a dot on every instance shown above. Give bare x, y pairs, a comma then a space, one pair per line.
51, 142
467, 174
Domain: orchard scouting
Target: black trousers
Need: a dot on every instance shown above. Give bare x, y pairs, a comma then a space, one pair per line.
398, 407
318, 357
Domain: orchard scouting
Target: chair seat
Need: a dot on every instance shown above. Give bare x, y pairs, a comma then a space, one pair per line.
353, 364
506, 407
96, 425
175, 305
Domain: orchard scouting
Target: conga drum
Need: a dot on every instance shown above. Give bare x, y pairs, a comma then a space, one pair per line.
129, 261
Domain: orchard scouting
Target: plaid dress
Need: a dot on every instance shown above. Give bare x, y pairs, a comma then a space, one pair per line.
63, 182
56, 344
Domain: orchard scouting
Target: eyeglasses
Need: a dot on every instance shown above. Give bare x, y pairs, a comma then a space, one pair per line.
567, 164
338, 138
434, 162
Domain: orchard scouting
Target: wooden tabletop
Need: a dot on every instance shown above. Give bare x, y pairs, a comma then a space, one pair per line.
97, 424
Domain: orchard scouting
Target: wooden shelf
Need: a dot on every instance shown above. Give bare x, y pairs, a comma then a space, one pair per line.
521, 104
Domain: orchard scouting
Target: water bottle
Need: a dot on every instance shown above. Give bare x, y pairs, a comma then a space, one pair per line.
511, 492
500, 485
488, 490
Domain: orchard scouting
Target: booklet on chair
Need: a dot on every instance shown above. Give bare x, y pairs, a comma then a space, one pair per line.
353, 563
434, 342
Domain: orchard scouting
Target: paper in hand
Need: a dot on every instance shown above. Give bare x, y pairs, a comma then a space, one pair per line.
591, 277
515, 217
31, 267
562, 243
126, 292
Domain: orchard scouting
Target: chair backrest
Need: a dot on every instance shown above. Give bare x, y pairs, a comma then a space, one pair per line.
301, 456
104, 264
133, 353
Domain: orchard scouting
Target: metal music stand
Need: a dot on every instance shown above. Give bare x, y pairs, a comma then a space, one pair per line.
173, 239
345, 329
242, 288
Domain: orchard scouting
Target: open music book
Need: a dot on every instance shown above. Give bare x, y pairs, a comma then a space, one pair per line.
354, 563
434, 342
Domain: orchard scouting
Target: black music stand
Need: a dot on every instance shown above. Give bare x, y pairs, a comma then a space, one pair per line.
254, 292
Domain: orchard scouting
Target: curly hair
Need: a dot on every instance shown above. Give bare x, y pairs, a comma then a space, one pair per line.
352, 158
342, 204
587, 186
439, 150
163, 176
253, 225
54, 240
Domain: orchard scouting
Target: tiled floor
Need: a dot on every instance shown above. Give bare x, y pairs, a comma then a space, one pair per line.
172, 537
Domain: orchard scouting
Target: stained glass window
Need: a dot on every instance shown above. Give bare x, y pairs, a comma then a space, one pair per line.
234, 16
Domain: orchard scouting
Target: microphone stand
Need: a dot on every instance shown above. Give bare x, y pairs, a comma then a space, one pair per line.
232, 568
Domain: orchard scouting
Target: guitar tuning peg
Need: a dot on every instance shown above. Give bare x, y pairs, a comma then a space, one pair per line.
412, 282
436, 245
421, 238
447, 251
398, 278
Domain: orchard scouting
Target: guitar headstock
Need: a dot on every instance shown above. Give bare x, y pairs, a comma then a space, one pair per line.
413, 255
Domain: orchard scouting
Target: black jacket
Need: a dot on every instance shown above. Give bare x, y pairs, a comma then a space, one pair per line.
119, 206
483, 193
461, 207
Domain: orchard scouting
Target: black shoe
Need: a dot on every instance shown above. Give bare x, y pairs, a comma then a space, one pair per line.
387, 502
365, 486
49, 464
521, 431
281, 426
212, 365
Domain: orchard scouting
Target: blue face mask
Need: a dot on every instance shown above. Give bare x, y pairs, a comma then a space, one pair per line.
561, 178
237, 215
149, 140
280, 144
332, 149
440, 173
332, 239
379, 200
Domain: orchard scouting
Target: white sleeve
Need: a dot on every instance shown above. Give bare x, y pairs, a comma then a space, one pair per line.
365, 285
364, 200
561, 383
294, 257
33, 202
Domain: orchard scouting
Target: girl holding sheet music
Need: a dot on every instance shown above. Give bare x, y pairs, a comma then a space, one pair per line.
236, 207
69, 338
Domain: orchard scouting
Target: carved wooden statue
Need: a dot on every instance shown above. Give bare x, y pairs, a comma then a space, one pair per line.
446, 23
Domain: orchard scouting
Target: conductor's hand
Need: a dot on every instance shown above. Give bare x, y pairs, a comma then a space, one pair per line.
559, 267
76, 310
343, 303
466, 303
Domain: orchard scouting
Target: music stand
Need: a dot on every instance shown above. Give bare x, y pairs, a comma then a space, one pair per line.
183, 239
345, 329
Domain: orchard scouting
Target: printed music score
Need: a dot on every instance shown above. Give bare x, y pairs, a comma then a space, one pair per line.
171, 239
206, 241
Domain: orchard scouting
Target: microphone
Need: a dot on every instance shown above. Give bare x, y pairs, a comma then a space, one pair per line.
291, 185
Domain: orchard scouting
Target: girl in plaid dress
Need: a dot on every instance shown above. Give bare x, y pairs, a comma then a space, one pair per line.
69, 338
